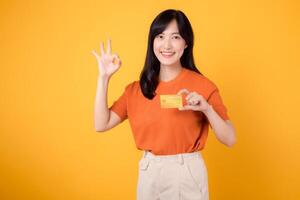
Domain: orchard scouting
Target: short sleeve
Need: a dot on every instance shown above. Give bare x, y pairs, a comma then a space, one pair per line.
217, 103
119, 106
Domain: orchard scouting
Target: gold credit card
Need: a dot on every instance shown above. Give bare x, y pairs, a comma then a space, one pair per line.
170, 101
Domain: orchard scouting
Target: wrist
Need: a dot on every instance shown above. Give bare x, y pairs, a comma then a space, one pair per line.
103, 78
208, 110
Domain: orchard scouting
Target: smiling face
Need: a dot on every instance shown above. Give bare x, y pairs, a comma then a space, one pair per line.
169, 46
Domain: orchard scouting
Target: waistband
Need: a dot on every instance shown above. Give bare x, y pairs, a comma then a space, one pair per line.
174, 157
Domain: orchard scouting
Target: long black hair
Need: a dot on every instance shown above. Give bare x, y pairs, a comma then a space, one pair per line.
149, 77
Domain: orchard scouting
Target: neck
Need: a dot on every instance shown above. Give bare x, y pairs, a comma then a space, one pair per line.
168, 72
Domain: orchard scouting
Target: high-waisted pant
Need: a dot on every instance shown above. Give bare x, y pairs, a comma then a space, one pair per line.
172, 177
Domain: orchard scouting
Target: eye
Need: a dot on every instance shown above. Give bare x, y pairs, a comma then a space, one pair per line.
176, 37
159, 36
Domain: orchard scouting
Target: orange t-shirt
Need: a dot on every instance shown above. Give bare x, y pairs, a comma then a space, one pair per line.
166, 131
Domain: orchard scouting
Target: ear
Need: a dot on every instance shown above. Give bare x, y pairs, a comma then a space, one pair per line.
185, 46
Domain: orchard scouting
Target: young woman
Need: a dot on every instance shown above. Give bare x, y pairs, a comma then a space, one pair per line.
171, 138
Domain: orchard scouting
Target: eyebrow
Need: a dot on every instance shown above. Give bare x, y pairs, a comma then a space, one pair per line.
173, 33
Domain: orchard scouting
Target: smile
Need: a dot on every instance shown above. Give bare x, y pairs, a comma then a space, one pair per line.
167, 54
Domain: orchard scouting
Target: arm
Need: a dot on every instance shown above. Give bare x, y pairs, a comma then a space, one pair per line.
104, 119
224, 130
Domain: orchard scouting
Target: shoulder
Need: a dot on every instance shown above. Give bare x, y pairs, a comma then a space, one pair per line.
198, 79
132, 87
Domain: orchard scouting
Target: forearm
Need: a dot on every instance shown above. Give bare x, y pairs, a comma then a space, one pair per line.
225, 132
101, 111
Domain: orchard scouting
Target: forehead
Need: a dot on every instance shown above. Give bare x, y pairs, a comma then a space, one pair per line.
172, 28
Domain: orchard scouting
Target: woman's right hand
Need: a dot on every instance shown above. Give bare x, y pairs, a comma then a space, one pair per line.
106, 62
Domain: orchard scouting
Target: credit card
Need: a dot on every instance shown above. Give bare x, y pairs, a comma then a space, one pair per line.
170, 101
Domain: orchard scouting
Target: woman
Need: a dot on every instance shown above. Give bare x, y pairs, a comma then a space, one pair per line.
170, 134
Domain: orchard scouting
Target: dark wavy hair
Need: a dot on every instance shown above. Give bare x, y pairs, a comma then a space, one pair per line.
149, 77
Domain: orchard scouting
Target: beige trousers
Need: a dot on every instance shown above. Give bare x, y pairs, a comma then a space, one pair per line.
172, 177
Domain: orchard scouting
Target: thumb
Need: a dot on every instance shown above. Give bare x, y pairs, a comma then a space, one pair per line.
183, 92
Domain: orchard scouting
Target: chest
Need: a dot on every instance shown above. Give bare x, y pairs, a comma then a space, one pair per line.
146, 112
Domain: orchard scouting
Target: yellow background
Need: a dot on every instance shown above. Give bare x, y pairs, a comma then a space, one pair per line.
48, 146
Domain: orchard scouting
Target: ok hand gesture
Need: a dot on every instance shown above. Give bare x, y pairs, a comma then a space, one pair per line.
106, 62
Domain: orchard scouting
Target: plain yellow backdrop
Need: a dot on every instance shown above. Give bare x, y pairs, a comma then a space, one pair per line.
49, 149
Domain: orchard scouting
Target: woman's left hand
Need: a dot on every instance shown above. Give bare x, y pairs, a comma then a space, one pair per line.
194, 101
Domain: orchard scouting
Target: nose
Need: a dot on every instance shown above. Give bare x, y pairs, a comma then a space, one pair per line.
167, 43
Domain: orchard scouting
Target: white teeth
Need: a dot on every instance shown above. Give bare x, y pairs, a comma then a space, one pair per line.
167, 54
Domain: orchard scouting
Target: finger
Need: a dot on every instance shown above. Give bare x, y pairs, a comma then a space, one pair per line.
113, 57
193, 102
102, 48
117, 56
108, 46
183, 91
120, 62
95, 53
116, 59
194, 99
190, 95
187, 107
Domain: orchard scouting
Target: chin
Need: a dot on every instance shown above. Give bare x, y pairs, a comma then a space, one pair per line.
164, 62
167, 63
